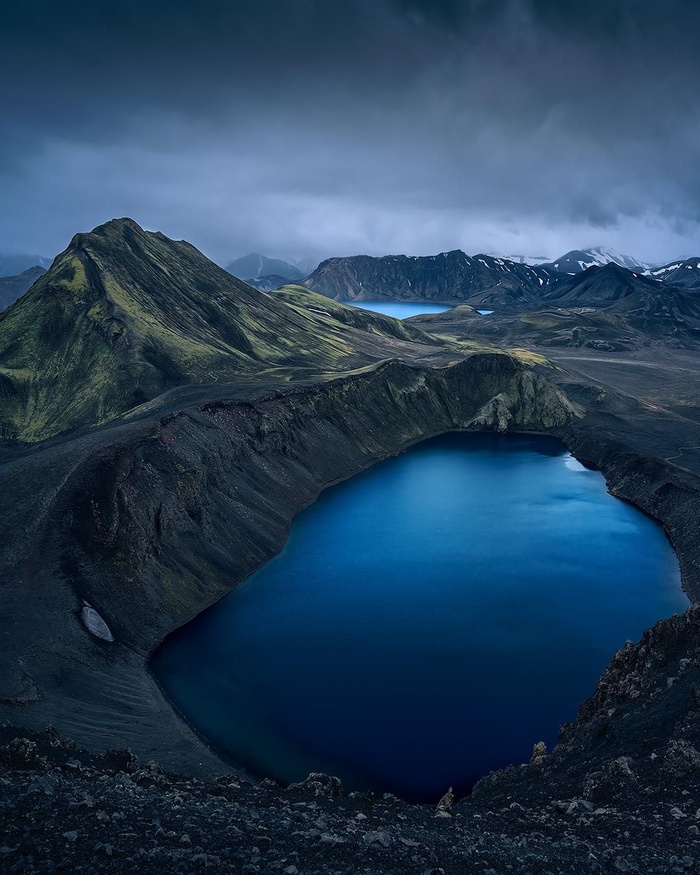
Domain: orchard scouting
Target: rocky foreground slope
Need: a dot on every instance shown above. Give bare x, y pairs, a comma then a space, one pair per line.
64, 809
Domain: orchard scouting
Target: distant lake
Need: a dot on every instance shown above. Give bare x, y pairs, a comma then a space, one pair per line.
484, 312
428, 621
399, 309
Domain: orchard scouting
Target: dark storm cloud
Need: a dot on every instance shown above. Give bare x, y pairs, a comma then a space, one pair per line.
320, 127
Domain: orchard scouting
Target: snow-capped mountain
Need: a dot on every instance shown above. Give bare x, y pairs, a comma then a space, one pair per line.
579, 260
681, 274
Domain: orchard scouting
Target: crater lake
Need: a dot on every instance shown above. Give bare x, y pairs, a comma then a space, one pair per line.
427, 621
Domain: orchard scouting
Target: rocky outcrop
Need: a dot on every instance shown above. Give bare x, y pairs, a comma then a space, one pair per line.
636, 737
662, 490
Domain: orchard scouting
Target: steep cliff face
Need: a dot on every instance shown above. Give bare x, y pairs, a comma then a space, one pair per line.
636, 737
148, 522
215, 490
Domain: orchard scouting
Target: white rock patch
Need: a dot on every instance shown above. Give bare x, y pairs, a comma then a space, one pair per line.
95, 624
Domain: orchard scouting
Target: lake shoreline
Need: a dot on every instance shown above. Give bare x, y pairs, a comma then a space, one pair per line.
318, 435
425, 519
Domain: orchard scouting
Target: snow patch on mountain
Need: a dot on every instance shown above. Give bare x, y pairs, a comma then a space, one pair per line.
579, 260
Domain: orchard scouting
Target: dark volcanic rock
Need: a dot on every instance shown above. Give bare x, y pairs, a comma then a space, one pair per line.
68, 811
636, 738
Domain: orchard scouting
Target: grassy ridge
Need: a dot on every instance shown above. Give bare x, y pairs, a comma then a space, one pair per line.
123, 315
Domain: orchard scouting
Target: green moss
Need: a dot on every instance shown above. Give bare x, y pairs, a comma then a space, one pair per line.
527, 357
124, 315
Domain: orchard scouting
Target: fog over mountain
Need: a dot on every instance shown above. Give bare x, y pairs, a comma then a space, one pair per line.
312, 129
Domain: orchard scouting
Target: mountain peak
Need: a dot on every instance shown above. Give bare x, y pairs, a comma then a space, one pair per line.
612, 268
114, 229
579, 260
125, 314
601, 286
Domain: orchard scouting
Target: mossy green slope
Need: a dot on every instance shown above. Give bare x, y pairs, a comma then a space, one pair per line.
124, 314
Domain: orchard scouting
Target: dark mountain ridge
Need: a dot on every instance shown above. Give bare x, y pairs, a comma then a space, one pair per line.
601, 286
451, 277
681, 274
603, 308
628, 293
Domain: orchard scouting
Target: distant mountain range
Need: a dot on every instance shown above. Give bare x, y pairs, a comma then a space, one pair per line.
448, 277
624, 291
482, 280
13, 287
254, 266
606, 308
579, 260
13, 264
681, 274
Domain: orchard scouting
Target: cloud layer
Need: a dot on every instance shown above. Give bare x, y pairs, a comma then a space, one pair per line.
316, 128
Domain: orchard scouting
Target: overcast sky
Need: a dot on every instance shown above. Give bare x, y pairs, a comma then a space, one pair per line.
303, 128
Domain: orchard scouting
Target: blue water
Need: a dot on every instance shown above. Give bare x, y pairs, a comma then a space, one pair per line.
399, 309
484, 312
427, 620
